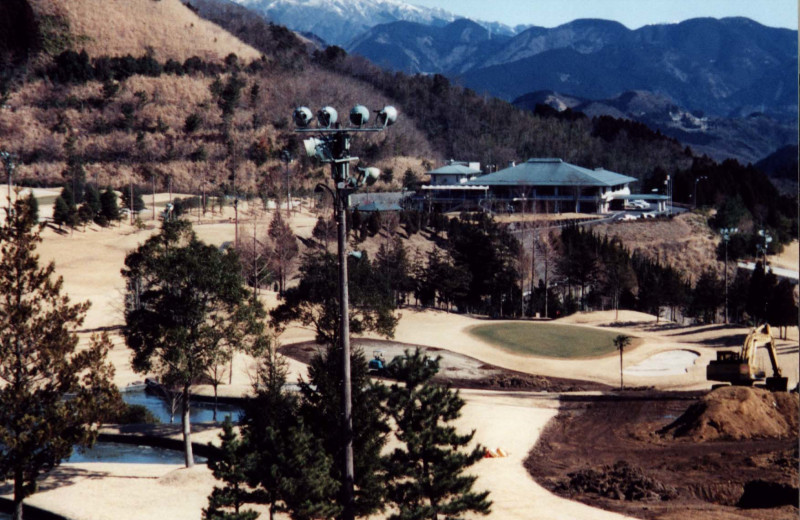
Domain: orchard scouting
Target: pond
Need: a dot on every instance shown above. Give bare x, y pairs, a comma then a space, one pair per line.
201, 412
129, 454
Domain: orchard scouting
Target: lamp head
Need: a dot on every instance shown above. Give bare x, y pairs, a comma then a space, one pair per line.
318, 148
370, 175
387, 116
359, 115
327, 117
302, 116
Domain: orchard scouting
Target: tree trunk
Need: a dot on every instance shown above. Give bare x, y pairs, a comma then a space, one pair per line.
215, 401
18, 494
187, 429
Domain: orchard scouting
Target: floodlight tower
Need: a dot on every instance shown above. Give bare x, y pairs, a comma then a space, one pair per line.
332, 145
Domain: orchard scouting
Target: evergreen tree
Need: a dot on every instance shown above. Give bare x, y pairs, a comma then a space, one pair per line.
108, 205
289, 471
52, 395
92, 200
321, 410
185, 300
33, 206
324, 230
314, 301
707, 297
759, 293
65, 211
393, 266
783, 307
75, 174
426, 473
85, 214
138, 201
225, 503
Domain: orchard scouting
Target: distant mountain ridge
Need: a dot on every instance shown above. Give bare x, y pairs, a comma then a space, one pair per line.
745, 139
338, 22
727, 67
732, 82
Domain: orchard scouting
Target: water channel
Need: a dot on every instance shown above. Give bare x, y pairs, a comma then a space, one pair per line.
129, 454
201, 412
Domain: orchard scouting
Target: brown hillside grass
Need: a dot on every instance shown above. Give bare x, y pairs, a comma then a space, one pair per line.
684, 242
119, 27
28, 127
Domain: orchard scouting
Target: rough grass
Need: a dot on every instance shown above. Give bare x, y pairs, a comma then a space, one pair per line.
119, 27
546, 339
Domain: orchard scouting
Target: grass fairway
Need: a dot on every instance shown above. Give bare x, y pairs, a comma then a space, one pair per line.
545, 339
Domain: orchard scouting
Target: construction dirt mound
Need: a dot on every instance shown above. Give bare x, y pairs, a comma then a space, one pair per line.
619, 482
735, 413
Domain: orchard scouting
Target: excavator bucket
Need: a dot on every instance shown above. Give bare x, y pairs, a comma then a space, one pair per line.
777, 384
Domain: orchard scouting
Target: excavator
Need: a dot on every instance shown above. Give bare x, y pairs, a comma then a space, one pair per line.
738, 368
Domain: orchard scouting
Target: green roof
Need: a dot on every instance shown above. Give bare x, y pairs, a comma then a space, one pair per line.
551, 172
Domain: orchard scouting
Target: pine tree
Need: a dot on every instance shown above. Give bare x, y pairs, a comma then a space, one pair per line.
108, 205
225, 503
290, 470
783, 307
33, 207
426, 473
52, 396
321, 410
92, 200
65, 211
138, 201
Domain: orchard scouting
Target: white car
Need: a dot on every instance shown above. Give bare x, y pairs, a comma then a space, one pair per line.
640, 204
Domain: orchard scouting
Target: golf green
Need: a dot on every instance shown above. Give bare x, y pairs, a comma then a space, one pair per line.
546, 339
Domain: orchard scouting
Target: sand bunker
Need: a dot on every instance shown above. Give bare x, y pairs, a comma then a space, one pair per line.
670, 363
734, 413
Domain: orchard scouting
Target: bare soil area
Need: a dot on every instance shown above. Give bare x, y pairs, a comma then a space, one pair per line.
458, 370
622, 455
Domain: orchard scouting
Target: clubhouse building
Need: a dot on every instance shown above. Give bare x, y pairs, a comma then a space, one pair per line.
535, 186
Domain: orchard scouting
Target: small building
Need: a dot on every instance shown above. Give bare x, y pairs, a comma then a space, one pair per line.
454, 173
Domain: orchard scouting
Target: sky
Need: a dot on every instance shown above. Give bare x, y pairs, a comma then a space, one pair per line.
631, 13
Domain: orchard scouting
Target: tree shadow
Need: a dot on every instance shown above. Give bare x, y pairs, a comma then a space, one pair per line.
58, 477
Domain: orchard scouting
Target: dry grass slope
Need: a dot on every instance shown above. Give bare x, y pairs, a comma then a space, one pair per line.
119, 27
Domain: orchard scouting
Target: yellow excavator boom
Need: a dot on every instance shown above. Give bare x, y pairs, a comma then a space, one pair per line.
740, 369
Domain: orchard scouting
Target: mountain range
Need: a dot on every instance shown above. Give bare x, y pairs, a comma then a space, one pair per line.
729, 67
337, 22
727, 87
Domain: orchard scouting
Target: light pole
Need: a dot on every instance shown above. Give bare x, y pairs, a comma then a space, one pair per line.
726, 236
763, 247
8, 163
333, 146
695, 190
286, 157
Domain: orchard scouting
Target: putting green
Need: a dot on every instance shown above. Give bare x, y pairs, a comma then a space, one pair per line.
547, 339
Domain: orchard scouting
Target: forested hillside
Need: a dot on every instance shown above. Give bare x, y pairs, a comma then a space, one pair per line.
220, 122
